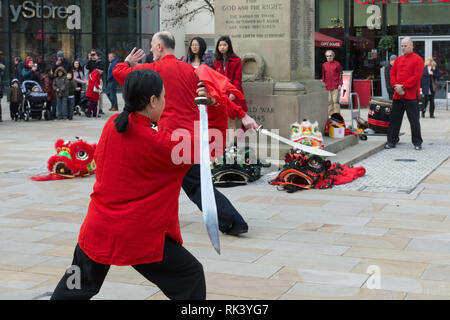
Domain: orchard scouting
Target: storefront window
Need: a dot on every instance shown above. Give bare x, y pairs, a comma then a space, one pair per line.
122, 16
40, 28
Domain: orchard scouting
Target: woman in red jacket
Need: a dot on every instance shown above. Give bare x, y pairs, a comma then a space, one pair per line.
229, 64
133, 214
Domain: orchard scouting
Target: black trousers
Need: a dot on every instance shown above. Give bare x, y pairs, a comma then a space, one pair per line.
412, 111
14, 110
226, 212
428, 98
179, 275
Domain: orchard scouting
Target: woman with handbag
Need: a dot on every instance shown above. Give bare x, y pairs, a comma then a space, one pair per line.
429, 85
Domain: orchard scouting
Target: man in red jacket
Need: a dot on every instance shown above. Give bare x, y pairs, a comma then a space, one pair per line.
180, 83
331, 76
406, 74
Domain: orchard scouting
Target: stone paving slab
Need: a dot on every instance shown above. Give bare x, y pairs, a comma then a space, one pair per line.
315, 244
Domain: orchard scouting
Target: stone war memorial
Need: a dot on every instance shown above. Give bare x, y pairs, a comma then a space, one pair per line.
275, 40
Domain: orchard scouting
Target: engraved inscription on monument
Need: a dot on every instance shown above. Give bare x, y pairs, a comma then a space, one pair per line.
252, 19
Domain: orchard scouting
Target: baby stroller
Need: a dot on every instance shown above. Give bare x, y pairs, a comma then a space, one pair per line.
34, 100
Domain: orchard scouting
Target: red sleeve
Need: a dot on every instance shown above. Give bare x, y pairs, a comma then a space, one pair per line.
417, 74
340, 74
122, 70
234, 111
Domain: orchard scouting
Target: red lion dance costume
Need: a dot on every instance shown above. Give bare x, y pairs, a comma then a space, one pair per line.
72, 159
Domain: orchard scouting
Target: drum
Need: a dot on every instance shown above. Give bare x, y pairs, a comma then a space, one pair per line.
379, 115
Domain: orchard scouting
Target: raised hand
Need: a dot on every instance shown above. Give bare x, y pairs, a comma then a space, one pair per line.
135, 56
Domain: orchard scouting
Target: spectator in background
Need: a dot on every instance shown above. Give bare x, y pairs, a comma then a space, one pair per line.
331, 76
18, 66
80, 79
92, 62
429, 84
387, 76
111, 83
14, 99
230, 65
71, 89
60, 85
30, 71
47, 84
197, 54
94, 90
61, 62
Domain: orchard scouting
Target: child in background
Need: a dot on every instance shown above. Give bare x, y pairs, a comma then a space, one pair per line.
71, 86
14, 99
60, 86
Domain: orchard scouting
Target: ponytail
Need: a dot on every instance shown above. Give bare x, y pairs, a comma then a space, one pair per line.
121, 122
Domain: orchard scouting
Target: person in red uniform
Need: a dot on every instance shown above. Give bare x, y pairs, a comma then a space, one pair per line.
180, 83
331, 76
136, 226
406, 74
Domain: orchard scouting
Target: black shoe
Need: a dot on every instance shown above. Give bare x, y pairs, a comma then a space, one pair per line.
418, 147
389, 146
237, 229
423, 114
101, 112
432, 116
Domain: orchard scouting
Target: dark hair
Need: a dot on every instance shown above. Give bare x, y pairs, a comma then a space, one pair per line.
167, 40
73, 65
139, 87
230, 51
202, 44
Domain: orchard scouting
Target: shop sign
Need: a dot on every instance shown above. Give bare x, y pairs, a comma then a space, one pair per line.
364, 2
330, 44
30, 10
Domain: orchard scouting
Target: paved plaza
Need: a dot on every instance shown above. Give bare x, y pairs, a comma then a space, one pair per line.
315, 244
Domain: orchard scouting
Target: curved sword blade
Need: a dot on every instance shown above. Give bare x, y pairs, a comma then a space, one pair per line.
209, 207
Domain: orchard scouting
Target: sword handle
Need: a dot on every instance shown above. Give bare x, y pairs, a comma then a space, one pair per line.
201, 100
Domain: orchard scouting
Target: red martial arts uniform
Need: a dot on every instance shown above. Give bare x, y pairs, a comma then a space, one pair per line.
407, 70
181, 85
134, 205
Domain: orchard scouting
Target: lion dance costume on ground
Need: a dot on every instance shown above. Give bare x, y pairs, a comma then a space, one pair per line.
306, 171
72, 159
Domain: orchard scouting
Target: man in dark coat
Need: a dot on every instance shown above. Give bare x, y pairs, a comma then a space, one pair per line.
61, 62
